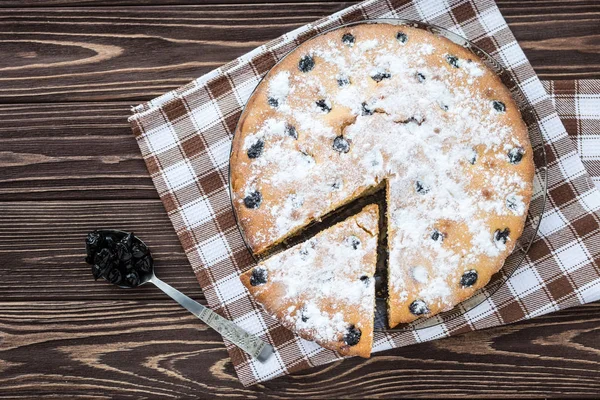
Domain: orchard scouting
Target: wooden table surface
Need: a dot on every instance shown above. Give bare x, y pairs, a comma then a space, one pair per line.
69, 72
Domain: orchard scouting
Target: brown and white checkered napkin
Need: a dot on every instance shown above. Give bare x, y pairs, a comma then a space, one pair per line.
185, 138
578, 105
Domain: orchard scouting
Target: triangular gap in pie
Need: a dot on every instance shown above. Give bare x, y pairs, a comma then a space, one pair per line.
323, 289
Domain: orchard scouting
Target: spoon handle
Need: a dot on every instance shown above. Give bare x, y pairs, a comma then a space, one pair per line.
251, 344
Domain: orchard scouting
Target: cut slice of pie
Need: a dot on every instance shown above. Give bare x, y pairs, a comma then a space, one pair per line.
323, 289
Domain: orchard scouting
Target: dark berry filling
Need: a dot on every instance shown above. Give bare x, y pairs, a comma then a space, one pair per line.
123, 252
348, 39
119, 257
499, 106
303, 253
303, 316
253, 200
437, 236
353, 241
444, 106
515, 155
104, 261
341, 145
473, 157
322, 104
418, 307
144, 264
132, 279
402, 37
273, 102
139, 250
352, 336
256, 149
365, 279
379, 76
343, 81
258, 276
92, 243
452, 60
110, 242
306, 64
501, 236
421, 77
365, 110
290, 130
512, 203
114, 276
469, 278
421, 188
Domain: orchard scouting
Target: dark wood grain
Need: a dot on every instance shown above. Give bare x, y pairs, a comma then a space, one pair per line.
70, 151
42, 249
131, 349
136, 53
132, 53
69, 72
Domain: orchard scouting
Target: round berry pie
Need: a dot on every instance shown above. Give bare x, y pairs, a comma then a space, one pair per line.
382, 105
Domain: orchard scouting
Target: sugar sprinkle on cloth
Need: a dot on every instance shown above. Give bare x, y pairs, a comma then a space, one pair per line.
185, 139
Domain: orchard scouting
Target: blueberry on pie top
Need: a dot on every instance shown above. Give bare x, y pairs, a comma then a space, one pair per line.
415, 111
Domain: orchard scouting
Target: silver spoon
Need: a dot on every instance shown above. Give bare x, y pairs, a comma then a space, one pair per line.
251, 344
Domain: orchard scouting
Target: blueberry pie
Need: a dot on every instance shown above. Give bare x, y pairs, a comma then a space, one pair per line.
377, 105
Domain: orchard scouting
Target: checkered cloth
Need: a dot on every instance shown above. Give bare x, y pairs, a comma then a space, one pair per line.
578, 105
185, 138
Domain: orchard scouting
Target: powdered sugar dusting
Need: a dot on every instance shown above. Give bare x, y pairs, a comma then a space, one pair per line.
420, 274
382, 110
279, 87
368, 45
472, 69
